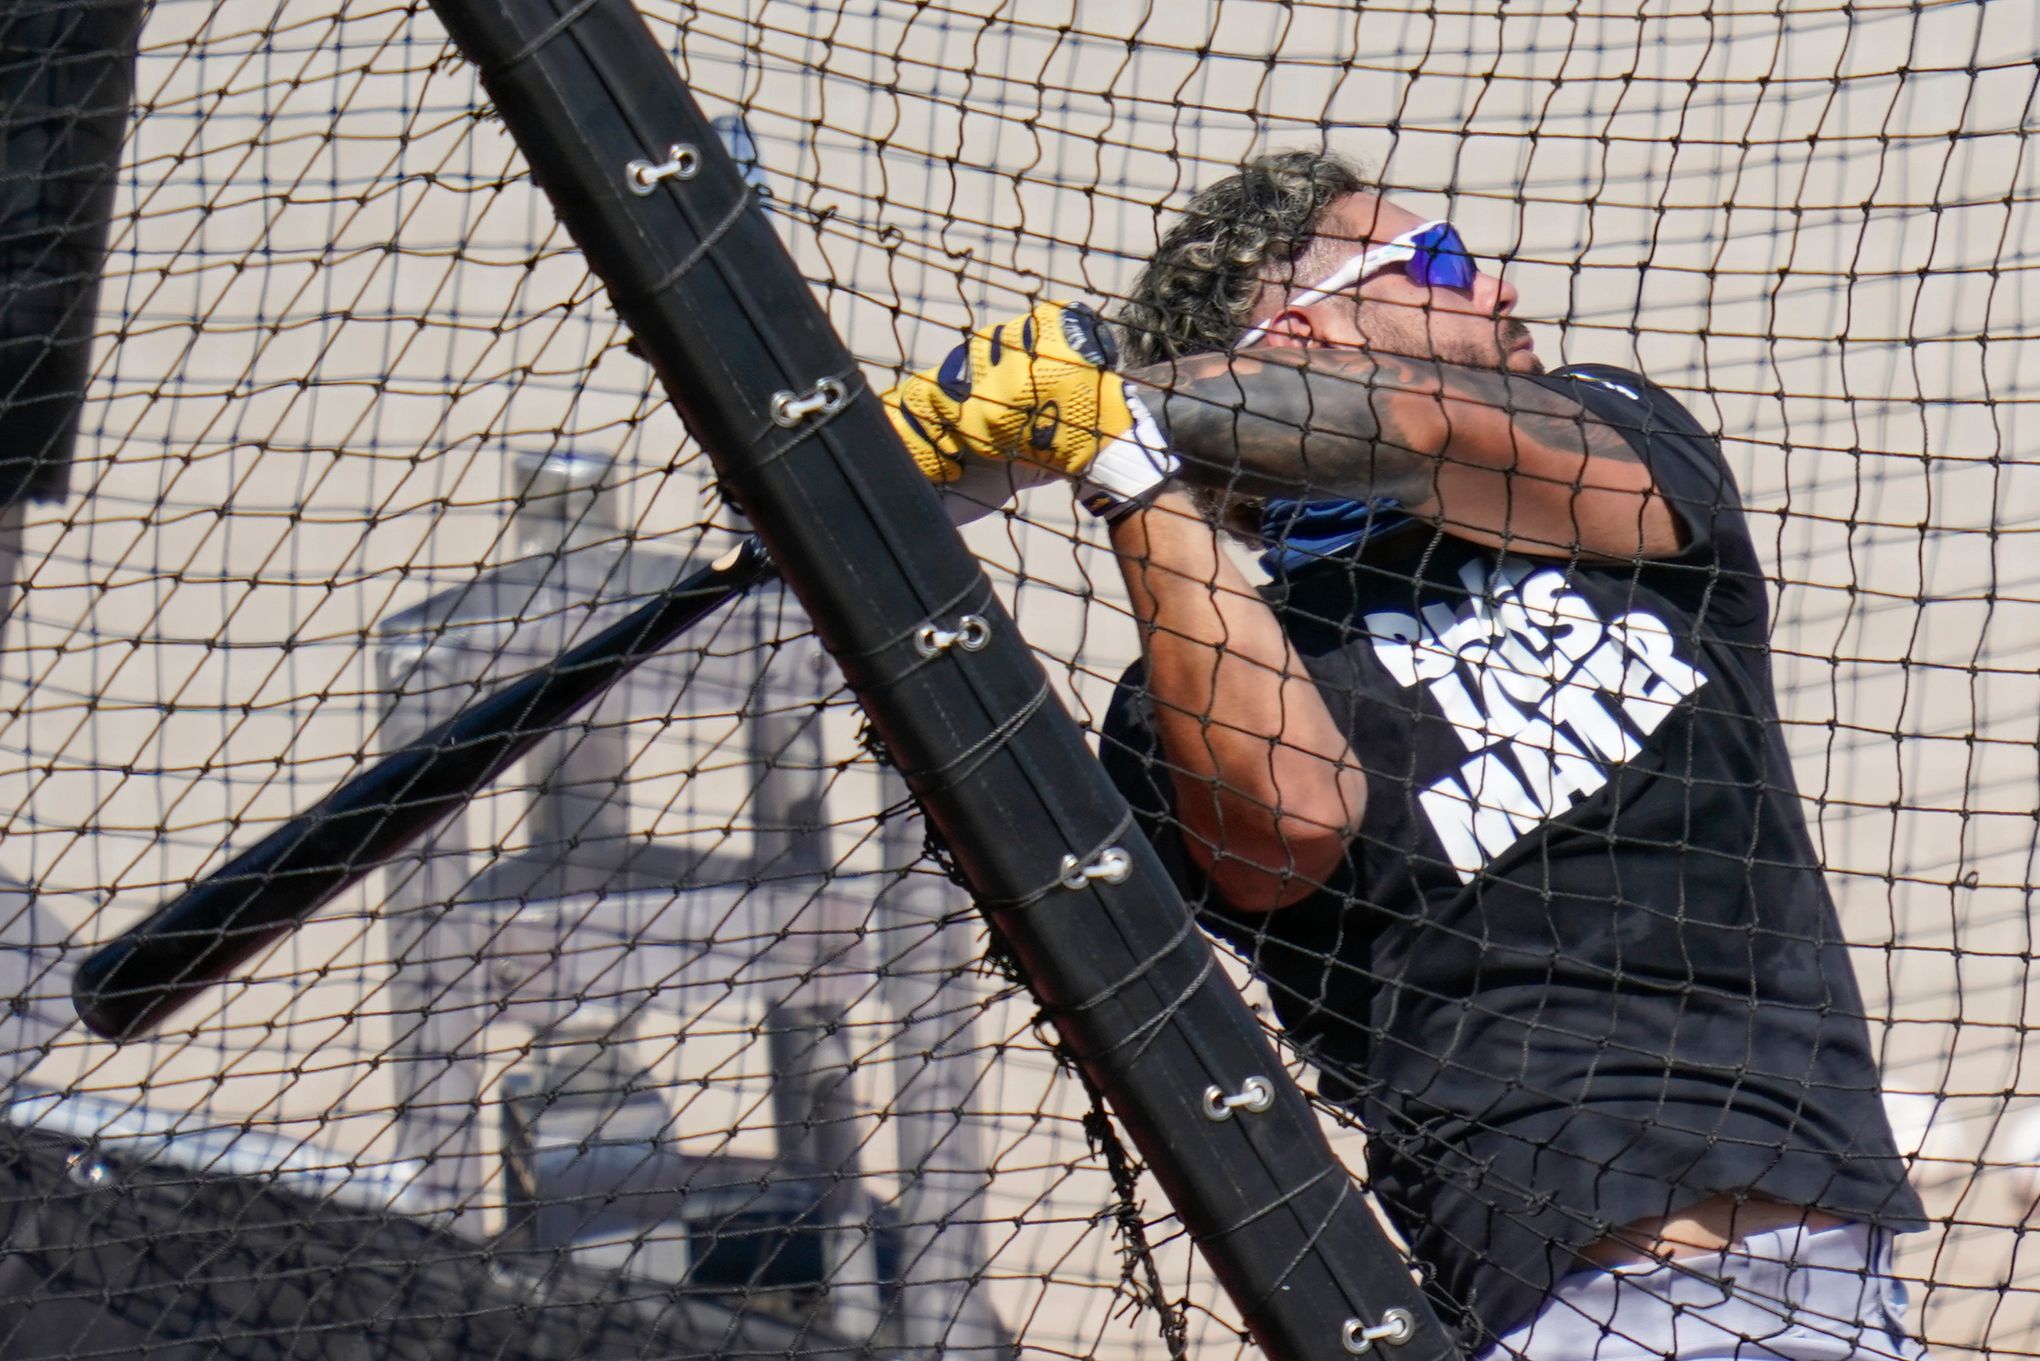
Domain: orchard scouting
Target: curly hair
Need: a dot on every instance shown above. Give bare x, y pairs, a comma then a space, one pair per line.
1198, 291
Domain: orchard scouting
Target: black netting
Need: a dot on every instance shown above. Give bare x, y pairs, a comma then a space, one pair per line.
679, 1038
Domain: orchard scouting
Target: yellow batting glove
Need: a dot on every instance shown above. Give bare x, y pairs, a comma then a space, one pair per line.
1040, 389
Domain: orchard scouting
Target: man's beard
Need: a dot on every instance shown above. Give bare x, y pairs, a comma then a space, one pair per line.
1484, 349
1508, 336
1493, 350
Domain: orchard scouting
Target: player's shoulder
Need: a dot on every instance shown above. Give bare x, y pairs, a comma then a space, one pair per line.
1684, 456
1600, 384
1612, 377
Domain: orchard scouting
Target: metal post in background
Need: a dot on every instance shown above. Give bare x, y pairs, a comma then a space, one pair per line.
579, 800
928, 950
821, 1125
447, 986
436, 1064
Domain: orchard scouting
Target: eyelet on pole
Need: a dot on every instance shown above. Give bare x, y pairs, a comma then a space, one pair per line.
86, 1168
971, 633
1397, 1326
1112, 866
824, 398
682, 163
1255, 1095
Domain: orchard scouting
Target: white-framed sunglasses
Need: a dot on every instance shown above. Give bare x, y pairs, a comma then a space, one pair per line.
1432, 254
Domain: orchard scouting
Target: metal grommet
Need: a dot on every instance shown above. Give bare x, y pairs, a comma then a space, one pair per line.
1397, 1326
1255, 1095
971, 633
824, 398
1112, 866
682, 163
86, 1168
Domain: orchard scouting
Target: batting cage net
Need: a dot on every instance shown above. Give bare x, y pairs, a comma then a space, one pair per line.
681, 1037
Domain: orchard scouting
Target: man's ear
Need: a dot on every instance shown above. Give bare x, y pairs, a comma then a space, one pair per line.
1289, 329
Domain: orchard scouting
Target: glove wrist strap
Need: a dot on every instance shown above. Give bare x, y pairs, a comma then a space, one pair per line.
1128, 469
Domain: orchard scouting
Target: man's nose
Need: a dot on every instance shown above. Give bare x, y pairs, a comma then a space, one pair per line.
1490, 296
1501, 294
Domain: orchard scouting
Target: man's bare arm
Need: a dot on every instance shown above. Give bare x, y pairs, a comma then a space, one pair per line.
1491, 455
1268, 792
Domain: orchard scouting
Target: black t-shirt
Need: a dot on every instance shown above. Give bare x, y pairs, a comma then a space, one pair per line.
1581, 967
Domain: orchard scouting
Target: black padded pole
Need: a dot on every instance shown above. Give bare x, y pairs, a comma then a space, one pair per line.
640, 178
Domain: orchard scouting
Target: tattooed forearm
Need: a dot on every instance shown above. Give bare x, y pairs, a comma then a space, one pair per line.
1353, 423
1270, 422
1553, 420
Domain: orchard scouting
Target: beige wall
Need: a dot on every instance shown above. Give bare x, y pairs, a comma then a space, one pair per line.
1814, 221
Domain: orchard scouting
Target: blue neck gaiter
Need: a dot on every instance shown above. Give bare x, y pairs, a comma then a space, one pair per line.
1299, 533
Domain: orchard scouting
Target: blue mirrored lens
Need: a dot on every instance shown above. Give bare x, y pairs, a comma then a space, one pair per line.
1442, 260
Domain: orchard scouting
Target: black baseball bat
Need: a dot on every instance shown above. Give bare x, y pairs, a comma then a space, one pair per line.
132, 984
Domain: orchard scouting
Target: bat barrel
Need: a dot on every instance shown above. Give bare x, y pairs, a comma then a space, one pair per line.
133, 983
